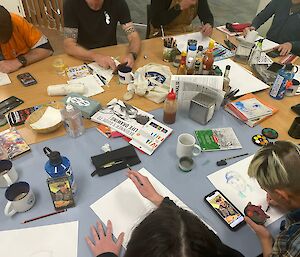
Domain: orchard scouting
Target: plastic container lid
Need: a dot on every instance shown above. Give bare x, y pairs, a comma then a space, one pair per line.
171, 95
228, 67
211, 44
200, 48
192, 48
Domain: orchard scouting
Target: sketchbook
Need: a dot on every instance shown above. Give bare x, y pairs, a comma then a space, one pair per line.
234, 182
57, 240
126, 207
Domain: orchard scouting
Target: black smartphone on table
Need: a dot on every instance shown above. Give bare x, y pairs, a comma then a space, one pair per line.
9, 103
26, 79
230, 215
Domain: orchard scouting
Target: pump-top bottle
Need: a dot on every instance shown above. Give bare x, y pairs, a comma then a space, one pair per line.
170, 108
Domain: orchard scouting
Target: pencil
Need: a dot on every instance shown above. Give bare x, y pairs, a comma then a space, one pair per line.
44, 216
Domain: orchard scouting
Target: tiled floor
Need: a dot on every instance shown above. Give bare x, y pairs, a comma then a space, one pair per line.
223, 11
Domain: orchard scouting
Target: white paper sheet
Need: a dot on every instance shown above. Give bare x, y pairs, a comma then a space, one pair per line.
92, 84
126, 208
241, 78
106, 73
234, 182
4, 79
45, 241
267, 44
182, 40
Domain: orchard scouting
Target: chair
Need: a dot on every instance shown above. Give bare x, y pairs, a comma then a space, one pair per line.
148, 20
46, 13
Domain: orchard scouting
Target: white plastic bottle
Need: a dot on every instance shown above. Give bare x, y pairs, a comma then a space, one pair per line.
72, 120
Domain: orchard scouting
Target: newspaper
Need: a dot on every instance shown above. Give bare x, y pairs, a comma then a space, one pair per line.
188, 86
122, 117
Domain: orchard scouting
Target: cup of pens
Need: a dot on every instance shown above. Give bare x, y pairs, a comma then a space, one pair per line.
169, 51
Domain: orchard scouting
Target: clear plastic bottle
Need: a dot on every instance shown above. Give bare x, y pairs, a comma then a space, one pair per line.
72, 120
170, 108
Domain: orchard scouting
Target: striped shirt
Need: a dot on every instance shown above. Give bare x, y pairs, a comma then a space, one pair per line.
287, 244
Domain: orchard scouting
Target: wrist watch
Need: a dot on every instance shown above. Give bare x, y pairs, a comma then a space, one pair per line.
134, 55
21, 58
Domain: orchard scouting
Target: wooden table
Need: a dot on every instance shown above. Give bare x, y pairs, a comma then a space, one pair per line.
151, 53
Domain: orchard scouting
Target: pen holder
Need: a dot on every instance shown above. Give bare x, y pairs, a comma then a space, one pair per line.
169, 54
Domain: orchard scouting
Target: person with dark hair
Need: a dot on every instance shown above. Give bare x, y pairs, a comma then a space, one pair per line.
21, 43
168, 231
175, 17
285, 26
91, 24
276, 169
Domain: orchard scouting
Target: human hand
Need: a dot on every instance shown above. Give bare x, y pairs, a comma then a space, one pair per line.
104, 61
104, 243
206, 29
8, 66
285, 48
129, 59
247, 30
185, 4
261, 231
145, 188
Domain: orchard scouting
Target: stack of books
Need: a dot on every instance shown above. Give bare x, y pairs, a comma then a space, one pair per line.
250, 109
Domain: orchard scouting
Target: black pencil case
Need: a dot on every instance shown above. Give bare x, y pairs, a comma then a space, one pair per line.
113, 161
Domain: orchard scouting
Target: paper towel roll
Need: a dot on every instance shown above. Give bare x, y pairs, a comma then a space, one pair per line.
64, 89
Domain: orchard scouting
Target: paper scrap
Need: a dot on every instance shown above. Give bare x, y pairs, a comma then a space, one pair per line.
4, 79
50, 118
126, 207
234, 182
92, 84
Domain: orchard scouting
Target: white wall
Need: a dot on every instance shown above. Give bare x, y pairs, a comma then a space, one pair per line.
265, 27
14, 6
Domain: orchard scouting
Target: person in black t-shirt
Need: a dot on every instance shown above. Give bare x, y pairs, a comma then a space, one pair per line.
176, 16
167, 231
92, 24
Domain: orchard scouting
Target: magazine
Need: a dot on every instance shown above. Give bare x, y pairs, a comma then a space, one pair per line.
122, 117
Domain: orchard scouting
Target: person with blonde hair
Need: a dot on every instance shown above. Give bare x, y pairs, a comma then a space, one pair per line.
276, 167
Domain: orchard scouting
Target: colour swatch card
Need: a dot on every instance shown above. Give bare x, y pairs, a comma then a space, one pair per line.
58, 240
149, 137
234, 182
77, 72
126, 207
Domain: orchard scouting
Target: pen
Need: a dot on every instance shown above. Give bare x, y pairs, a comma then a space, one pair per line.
268, 208
101, 78
140, 182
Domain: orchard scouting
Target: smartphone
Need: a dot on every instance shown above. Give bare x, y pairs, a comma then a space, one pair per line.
275, 67
17, 118
9, 103
231, 216
273, 54
26, 79
296, 109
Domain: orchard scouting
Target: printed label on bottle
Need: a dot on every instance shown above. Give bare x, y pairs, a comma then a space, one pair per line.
276, 86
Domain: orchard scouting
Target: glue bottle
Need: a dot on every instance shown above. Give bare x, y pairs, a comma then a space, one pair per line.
170, 108
284, 75
72, 120
208, 59
59, 166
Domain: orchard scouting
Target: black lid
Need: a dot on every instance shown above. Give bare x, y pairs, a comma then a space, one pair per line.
54, 156
289, 67
228, 67
200, 48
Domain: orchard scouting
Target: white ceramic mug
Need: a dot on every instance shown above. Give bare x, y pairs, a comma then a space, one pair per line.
186, 146
125, 75
8, 174
251, 36
20, 198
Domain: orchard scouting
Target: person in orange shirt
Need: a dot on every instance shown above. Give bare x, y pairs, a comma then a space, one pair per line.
21, 43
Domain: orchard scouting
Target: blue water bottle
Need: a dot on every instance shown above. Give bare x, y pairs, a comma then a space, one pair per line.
59, 166
284, 75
